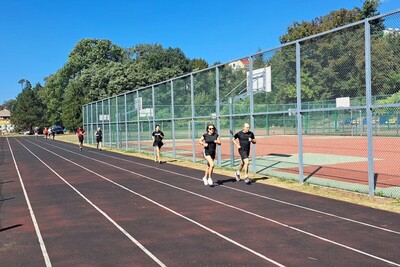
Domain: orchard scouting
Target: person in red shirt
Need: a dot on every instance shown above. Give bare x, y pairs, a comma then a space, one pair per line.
45, 132
80, 133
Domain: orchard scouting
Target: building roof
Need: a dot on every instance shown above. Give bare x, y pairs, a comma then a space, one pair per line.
5, 113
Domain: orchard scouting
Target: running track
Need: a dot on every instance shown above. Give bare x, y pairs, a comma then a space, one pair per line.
63, 207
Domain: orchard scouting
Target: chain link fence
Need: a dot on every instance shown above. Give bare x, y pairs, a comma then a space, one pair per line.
324, 109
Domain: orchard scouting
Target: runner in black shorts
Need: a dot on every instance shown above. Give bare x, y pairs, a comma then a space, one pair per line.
99, 138
209, 141
246, 137
157, 137
80, 133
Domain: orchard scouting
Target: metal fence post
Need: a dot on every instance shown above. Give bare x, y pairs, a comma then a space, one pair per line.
371, 174
298, 113
217, 114
173, 120
192, 119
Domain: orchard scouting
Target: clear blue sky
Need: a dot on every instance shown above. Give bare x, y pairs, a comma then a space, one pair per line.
37, 36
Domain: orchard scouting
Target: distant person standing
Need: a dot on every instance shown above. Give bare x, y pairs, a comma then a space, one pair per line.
209, 141
53, 133
157, 137
80, 133
246, 138
99, 138
36, 131
45, 132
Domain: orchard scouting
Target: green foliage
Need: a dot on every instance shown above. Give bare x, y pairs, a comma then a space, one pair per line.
72, 106
197, 64
8, 104
333, 20
27, 111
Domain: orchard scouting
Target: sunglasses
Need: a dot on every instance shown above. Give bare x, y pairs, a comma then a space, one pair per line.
211, 128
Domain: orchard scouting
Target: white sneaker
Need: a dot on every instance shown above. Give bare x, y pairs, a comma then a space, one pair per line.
247, 180
237, 176
210, 181
205, 181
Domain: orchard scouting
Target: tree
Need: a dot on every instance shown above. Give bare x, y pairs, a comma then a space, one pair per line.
197, 64
74, 98
332, 65
28, 110
22, 81
8, 104
330, 21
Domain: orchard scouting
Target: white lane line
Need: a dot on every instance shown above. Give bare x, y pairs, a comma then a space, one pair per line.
35, 224
160, 205
219, 202
255, 194
137, 243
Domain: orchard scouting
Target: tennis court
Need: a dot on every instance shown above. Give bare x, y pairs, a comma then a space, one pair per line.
63, 207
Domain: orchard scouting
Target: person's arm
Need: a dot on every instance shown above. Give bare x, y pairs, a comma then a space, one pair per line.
201, 140
253, 139
218, 141
235, 142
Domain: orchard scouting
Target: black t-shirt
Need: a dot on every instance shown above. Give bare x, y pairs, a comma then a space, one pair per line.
158, 136
209, 139
244, 139
99, 134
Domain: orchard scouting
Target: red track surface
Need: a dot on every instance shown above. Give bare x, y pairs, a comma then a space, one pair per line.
97, 208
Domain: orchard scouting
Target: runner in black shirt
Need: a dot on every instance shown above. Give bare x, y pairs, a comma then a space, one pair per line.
157, 137
99, 138
245, 137
209, 141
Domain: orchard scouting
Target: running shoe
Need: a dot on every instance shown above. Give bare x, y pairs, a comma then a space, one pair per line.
247, 180
210, 181
237, 176
205, 181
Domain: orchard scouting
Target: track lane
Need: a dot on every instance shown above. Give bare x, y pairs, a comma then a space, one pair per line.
147, 225
19, 244
170, 177
74, 233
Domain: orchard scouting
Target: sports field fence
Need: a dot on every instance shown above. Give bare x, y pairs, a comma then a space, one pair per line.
325, 109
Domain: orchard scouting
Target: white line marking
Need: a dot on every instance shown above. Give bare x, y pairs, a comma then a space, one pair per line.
257, 195
35, 224
156, 203
216, 201
99, 210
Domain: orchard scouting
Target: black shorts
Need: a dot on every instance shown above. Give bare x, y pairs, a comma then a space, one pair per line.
159, 144
210, 153
244, 154
99, 139
80, 138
